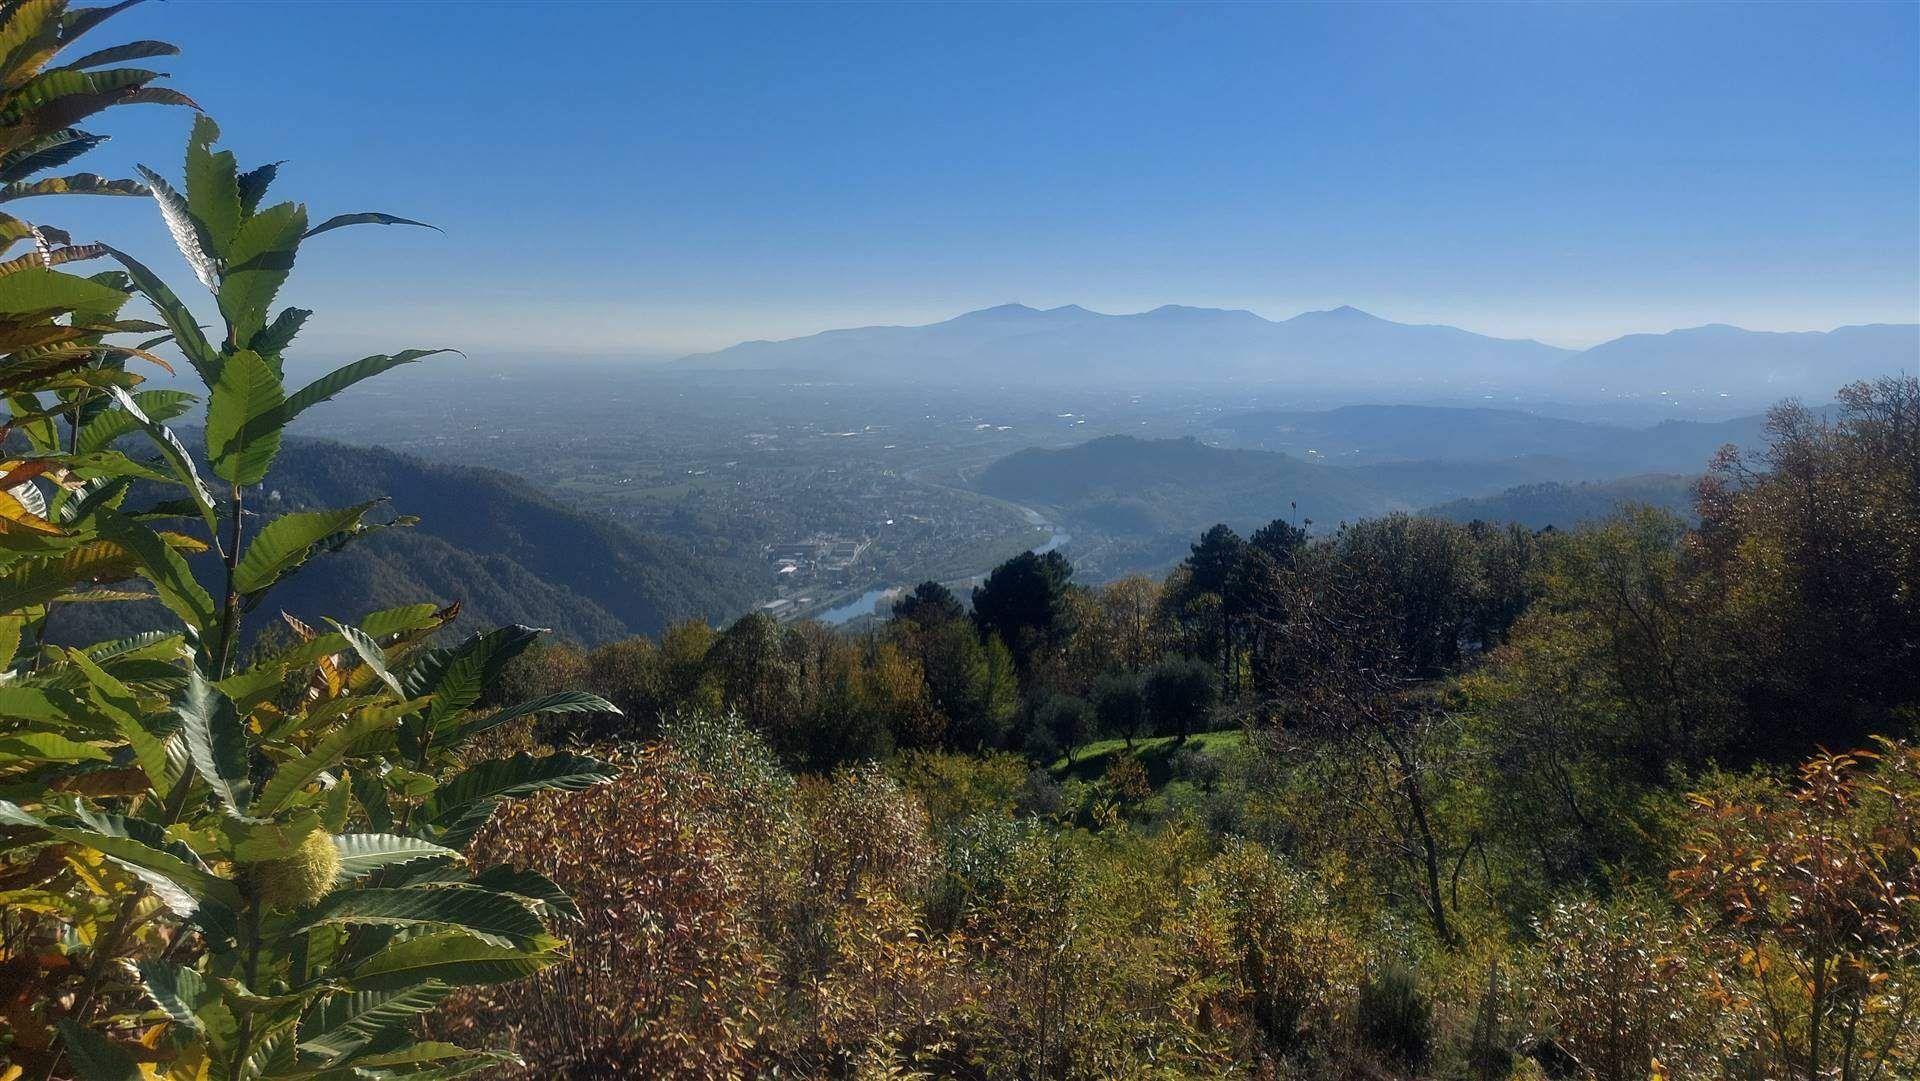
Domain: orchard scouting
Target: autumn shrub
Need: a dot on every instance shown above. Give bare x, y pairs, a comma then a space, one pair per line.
1817, 890
954, 787
1290, 969
1630, 991
1085, 960
866, 832
664, 968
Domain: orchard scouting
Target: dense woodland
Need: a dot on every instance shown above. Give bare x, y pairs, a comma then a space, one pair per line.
1413, 799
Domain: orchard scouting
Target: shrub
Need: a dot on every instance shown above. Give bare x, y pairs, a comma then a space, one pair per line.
1290, 966
663, 964
1629, 991
1393, 1020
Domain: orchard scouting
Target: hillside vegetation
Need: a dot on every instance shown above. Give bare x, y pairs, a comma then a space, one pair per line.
1562, 506
485, 539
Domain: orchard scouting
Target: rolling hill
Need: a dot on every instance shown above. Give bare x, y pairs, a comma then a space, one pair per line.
1564, 506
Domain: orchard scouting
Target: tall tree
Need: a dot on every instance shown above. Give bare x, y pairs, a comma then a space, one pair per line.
1024, 603
1179, 695
930, 604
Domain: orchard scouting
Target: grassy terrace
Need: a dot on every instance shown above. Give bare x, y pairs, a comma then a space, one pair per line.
1092, 760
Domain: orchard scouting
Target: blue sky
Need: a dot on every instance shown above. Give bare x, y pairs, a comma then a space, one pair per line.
626, 179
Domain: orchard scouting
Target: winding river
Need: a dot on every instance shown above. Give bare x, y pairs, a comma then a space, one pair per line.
869, 602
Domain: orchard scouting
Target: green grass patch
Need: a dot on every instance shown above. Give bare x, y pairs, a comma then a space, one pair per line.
1091, 761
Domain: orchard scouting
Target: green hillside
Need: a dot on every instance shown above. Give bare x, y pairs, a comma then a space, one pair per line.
486, 539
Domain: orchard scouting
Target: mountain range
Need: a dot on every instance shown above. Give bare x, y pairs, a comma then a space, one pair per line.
1340, 347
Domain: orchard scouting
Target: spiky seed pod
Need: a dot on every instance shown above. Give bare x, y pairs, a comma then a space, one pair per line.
300, 879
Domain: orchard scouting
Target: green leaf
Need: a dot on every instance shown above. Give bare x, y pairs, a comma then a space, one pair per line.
561, 702
284, 543
493, 917
114, 699
548, 898
257, 265
159, 564
33, 291
94, 1057
213, 185
110, 836
347, 375
186, 332
158, 405
178, 460
369, 217
176, 989
244, 418
454, 958
290, 778
132, 50
49, 747
254, 184
217, 740
341, 1024
364, 853
370, 653
277, 335
461, 805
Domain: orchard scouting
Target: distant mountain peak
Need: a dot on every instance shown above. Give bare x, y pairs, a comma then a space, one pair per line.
1345, 313
1015, 308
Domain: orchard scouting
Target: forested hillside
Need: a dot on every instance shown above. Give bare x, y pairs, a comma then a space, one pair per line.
1538, 506
505, 552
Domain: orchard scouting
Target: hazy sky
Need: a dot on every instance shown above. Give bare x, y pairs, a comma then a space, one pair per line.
626, 178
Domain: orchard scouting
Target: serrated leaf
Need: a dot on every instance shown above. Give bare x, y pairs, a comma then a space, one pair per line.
254, 184
157, 405
363, 853
366, 217
257, 265
370, 654
30, 292
178, 460
493, 917
291, 777
454, 958
110, 836
347, 375
243, 418
213, 186
94, 1057
176, 989
460, 805
285, 542
194, 246
341, 1024
216, 739
159, 564
49, 747
186, 332
560, 702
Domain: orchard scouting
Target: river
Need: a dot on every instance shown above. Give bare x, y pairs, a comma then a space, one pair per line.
869, 602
